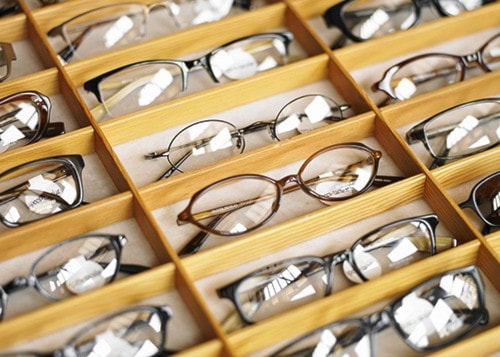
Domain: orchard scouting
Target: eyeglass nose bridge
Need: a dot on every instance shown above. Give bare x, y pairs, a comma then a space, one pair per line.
474, 59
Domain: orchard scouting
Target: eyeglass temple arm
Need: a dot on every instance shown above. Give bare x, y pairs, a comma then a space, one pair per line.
194, 245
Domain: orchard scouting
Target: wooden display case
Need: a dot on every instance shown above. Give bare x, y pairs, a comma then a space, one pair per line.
125, 197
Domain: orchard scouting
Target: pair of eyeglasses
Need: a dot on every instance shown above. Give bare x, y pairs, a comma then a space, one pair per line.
484, 199
242, 203
40, 188
73, 267
7, 55
115, 26
212, 140
435, 314
363, 20
460, 131
294, 282
136, 331
142, 84
24, 119
429, 71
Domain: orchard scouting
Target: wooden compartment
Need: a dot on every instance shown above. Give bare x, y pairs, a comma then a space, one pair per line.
125, 197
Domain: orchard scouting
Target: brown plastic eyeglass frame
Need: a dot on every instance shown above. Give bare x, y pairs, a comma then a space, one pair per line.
463, 62
44, 107
186, 215
8, 56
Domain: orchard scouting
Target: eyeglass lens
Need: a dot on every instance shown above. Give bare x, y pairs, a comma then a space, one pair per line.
151, 83
429, 72
137, 332
435, 313
487, 200
333, 174
116, 26
48, 188
366, 20
210, 141
20, 121
464, 131
77, 266
295, 282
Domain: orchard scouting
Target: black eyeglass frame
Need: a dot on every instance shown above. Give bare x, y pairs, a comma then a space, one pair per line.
92, 85
73, 162
417, 132
371, 321
472, 203
329, 261
464, 62
333, 15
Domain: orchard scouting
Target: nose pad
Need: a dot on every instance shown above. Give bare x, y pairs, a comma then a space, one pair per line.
368, 265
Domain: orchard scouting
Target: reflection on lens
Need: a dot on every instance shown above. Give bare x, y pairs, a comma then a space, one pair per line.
245, 58
487, 199
103, 29
339, 174
390, 249
280, 288
237, 205
304, 114
77, 266
440, 311
455, 7
368, 20
47, 189
137, 332
491, 54
140, 86
19, 123
346, 338
204, 143
425, 74
465, 130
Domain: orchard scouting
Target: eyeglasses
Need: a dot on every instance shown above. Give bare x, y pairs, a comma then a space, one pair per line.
40, 188
484, 199
459, 131
8, 7
294, 282
335, 173
7, 55
115, 26
137, 331
363, 20
209, 141
142, 84
434, 314
24, 119
73, 267
430, 71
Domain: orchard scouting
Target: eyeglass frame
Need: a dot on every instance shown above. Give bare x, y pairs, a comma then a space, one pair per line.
239, 132
185, 66
471, 203
73, 161
9, 55
42, 102
385, 316
164, 312
9, 10
330, 261
333, 18
416, 133
185, 216
117, 242
465, 61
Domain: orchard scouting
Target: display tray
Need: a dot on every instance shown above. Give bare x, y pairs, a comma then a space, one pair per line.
125, 197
